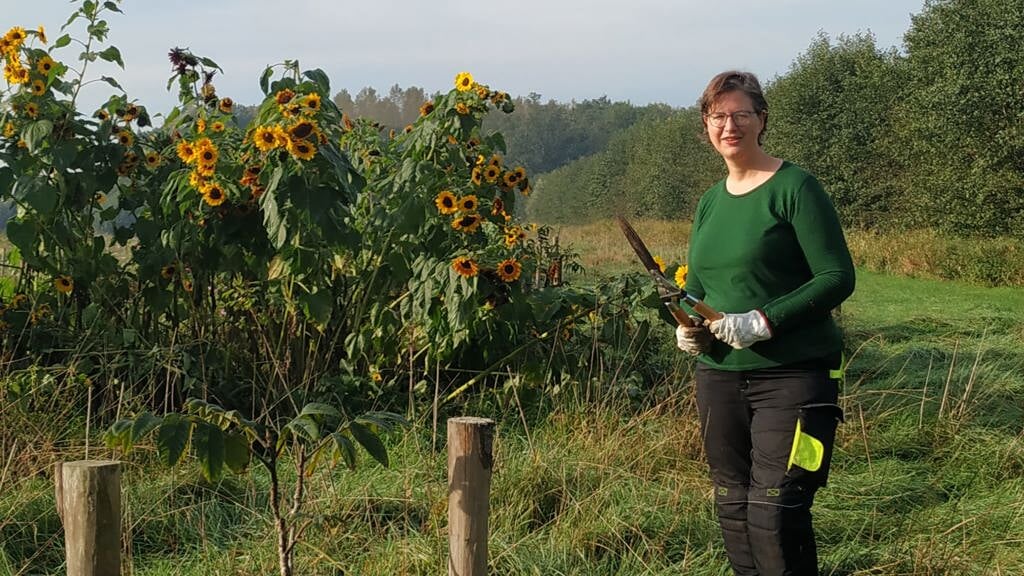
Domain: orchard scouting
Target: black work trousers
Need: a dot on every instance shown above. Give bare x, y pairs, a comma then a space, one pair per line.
763, 500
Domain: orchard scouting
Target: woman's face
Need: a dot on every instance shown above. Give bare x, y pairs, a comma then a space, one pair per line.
737, 136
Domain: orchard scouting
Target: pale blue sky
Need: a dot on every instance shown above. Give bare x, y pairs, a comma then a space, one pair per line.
637, 50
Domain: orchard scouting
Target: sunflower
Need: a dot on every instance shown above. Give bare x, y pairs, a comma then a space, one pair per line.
465, 266
20, 75
38, 88
446, 202
514, 235
200, 126
313, 102
681, 275
302, 130
217, 126
509, 270
213, 194
267, 138
16, 35
125, 138
498, 97
284, 96
346, 122
468, 204
660, 262
491, 173
497, 207
477, 176
41, 33
461, 108
168, 272
9, 130
226, 105
44, 65
495, 161
482, 91
301, 149
130, 113
19, 301
520, 173
102, 115
32, 109
64, 284
152, 160
452, 140
426, 108
196, 180
464, 81
467, 223
510, 179
186, 151
206, 152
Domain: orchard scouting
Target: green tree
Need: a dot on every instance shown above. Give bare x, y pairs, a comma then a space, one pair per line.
962, 121
831, 114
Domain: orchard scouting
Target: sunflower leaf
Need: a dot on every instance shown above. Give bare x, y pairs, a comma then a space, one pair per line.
112, 54
370, 441
112, 82
265, 80
321, 79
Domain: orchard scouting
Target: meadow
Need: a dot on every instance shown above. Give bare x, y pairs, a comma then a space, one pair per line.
928, 478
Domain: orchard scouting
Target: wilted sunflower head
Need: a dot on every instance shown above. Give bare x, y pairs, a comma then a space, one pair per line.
301, 129
465, 266
64, 284
226, 105
284, 96
467, 223
426, 108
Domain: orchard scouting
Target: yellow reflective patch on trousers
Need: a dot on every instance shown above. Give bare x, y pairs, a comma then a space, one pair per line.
839, 373
807, 451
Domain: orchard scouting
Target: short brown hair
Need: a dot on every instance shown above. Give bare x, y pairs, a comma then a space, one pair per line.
733, 81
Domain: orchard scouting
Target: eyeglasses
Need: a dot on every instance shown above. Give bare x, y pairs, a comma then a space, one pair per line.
740, 118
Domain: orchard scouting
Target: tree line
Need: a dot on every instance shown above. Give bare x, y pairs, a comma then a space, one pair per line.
928, 136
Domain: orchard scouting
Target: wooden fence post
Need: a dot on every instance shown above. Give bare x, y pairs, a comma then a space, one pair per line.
89, 504
470, 458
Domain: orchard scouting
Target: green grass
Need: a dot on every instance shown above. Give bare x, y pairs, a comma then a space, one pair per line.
928, 477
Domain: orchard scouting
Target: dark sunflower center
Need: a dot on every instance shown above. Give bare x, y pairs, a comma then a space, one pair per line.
448, 202
509, 269
302, 130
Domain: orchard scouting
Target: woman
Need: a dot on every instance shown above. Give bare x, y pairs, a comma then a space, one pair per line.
766, 250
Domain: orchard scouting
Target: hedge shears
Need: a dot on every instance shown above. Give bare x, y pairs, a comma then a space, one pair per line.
669, 293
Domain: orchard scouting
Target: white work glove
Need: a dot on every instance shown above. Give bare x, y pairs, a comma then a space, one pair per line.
694, 339
741, 330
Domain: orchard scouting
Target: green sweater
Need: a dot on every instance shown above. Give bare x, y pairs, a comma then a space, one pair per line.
779, 249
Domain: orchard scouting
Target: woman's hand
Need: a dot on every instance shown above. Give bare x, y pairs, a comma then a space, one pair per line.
693, 340
741, 330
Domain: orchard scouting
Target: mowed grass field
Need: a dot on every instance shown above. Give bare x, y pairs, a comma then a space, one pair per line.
928, 477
